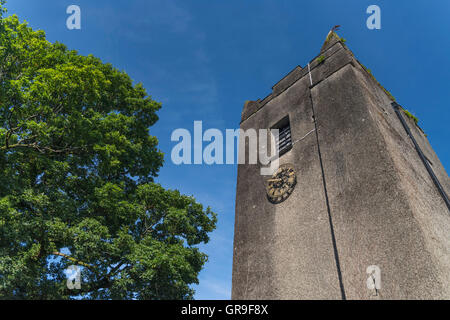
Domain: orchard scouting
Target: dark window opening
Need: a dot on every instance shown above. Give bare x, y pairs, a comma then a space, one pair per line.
284, 139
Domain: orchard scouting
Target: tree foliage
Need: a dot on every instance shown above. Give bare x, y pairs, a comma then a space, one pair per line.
77, 169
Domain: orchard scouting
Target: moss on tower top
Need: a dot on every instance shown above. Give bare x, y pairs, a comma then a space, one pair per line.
331, 39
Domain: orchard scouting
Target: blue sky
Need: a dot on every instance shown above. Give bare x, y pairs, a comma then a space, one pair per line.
203, 58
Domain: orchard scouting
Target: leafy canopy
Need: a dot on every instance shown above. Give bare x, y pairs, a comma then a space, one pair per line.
77, 168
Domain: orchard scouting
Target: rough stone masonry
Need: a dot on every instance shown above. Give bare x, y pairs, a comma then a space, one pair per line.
363, 196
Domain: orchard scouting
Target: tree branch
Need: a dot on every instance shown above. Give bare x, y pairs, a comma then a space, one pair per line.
35, 146
81, 263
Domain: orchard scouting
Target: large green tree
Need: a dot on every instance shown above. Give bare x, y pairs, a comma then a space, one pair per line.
77, 168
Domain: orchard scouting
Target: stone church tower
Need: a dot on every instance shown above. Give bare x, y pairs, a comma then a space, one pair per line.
359, 189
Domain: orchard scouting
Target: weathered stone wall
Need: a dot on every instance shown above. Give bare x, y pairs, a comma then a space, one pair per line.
384, 208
